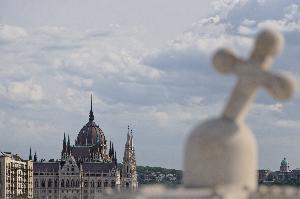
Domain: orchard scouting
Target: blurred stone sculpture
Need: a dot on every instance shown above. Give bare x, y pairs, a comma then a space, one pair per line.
220, 154
222, 151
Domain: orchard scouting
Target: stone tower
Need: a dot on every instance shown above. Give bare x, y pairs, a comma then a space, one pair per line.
129, 176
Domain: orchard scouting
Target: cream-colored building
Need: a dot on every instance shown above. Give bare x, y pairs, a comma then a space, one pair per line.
16, 176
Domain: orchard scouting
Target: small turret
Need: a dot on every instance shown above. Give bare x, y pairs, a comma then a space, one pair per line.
64, 143
114, 159
30, 155
112, 149
35, 157
109, 153
68, 146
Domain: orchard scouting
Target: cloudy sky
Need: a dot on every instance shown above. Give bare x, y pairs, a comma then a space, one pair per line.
147, 64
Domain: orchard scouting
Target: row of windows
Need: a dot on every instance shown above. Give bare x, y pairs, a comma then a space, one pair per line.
72, 183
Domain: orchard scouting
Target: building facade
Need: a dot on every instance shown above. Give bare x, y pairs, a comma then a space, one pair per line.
86, 169
16, 179
283, 176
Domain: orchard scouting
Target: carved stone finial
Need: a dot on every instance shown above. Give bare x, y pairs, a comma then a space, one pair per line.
222, 151
253, 73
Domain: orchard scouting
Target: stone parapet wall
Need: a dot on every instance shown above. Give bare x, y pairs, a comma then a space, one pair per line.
160, 192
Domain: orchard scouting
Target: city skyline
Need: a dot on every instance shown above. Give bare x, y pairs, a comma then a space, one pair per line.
147, 65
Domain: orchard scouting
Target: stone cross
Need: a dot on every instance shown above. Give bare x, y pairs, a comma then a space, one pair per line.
253, 73
222, 151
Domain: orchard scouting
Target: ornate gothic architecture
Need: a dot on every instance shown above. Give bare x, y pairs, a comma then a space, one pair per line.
87, 169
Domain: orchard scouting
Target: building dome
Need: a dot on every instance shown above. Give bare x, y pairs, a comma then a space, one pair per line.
284, 162
91, 133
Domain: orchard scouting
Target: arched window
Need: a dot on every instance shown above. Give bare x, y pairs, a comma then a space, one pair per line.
127, 185
67, 183
99, 184
106, 183
113, 184
43, 184
85, 183
62, 183
49, 183
56, 183
92, 184
36, 184
77, 183
72, 183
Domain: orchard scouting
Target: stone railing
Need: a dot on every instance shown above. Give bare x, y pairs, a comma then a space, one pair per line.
220, 154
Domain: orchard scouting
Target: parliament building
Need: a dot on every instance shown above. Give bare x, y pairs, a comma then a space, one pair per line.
87, 169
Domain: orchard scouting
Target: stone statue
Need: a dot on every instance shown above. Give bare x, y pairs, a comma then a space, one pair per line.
222, 151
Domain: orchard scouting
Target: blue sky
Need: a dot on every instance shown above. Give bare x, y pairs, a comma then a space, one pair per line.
147, 64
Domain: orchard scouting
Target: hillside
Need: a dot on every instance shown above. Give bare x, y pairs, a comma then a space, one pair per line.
158, 175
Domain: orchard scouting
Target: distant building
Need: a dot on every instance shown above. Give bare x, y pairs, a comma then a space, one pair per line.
283, 176
284, 166
86, 169
15, 176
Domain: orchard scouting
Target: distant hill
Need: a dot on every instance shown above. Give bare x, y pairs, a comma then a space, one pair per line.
158, 175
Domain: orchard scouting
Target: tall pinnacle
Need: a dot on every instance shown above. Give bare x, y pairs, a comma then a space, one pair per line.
91, 117
30, 156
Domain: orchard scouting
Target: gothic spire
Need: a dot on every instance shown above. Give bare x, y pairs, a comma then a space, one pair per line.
114, 159
68, 145
131, 141
64, 143
112, 149
91, 117
30, 156
35, 157
109, 153
128, 136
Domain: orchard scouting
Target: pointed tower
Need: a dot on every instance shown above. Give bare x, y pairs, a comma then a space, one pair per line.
114, 158
64, 143
91, 116
109, 153
68, 146
30, 155
35, 157
64, 150
129, 176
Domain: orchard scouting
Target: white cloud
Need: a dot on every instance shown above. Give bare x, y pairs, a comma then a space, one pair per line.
23, 91
225, 6
290, 22
10, 33
288, 123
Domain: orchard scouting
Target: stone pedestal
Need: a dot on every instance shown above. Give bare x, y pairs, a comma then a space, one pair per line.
220, 152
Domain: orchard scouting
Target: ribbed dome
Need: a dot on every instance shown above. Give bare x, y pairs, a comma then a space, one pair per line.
90, 134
